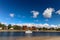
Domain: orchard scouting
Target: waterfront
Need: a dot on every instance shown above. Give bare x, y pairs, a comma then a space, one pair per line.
32, 36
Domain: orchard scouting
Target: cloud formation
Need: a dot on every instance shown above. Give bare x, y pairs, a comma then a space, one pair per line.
11, 15
38, 25
58, 12
53, 26
46, 25
35, 14
48, 12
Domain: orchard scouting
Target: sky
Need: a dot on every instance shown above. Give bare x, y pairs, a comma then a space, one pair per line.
30, 11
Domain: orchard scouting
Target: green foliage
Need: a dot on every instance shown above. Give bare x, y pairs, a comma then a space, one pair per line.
0, 25
51, 29
58, 29
3, 26
17, 27
39, 28
44, 28
9, 26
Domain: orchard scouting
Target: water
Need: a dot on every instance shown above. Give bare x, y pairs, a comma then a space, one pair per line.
46, 34
23, 34
16, 35
11, 35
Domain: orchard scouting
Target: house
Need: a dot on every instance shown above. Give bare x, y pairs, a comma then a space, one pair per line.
11, 28
0, 28
24, 27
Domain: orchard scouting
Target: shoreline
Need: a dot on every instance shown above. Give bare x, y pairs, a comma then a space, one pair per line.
25, 30
32, 38
39, 38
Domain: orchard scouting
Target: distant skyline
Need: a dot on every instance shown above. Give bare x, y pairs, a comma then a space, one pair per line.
30, 12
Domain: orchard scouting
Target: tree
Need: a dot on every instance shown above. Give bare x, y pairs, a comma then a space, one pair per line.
9, 26
24, 27
39, 28
3, 26
16, 27
0, 25
51, 28
34, 28
58, 29
44, 28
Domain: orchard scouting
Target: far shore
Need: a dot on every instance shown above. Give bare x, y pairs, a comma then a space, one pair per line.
26, 30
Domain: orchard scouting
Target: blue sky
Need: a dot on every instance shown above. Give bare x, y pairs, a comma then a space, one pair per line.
30, 11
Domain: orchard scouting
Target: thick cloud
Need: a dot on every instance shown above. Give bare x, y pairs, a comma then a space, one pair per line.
48, 12
35, 14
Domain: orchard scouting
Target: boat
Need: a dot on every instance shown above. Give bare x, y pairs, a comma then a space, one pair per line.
28, 31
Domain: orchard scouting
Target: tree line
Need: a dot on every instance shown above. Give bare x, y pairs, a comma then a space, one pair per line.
24, 27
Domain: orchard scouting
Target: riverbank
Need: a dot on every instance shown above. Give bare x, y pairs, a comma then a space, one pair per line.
12, 30
39, 38
30, 38
25, 30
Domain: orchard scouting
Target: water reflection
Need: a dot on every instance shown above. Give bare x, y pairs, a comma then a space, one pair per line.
28, 34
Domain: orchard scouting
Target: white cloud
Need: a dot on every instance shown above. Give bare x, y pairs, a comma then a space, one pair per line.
48, 12
40, 25
58, 25
35, 14
11, 15
53, 25
27, 24
46, 25
3, 23
58, 12
20, 25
